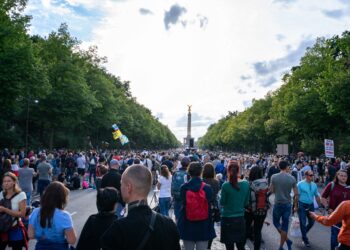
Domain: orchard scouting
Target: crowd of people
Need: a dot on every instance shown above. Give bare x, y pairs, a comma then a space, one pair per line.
232, 191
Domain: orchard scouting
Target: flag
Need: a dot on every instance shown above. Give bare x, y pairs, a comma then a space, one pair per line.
115, 127
116, 134
124, 140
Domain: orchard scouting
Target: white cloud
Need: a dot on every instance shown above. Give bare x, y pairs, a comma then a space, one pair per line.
207, 59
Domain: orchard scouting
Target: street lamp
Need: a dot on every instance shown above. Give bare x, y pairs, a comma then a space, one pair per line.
27, 120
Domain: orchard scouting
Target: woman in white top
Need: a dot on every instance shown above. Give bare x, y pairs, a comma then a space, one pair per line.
14, 166
15, 236
164, 186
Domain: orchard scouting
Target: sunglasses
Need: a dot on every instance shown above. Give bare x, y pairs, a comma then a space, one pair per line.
310, 175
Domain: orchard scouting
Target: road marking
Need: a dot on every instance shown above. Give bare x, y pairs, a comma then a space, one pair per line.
73, 213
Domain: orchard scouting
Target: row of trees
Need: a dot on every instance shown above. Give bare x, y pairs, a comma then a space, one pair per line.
312, 104
62, 96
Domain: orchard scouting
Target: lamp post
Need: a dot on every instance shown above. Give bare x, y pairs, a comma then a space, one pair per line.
27, 121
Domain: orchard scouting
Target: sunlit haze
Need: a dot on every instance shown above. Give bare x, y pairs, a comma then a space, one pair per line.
214, 55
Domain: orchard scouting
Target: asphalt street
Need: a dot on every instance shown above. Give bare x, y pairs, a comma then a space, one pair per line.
82, 203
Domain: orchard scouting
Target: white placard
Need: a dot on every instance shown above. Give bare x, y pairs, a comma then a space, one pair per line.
329, 148
282, 149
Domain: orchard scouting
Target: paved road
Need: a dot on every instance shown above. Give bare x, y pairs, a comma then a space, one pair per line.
82, 203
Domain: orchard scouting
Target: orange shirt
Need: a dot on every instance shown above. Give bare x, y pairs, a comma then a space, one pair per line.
341, 214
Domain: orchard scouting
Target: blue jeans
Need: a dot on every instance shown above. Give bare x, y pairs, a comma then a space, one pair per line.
92, 173
177, 207
334, 236
164, 205
42, 184
29, 195
303, 215
281, 211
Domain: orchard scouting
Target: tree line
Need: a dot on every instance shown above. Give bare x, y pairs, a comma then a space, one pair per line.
54, 94
312, 104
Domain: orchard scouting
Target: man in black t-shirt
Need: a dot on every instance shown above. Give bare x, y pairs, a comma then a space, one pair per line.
134, 231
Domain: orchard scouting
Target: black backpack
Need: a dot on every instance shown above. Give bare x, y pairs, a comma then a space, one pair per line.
6, 220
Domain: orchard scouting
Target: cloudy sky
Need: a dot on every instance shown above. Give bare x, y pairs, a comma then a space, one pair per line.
216, 55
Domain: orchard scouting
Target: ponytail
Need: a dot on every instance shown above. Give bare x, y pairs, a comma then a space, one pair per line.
232, 172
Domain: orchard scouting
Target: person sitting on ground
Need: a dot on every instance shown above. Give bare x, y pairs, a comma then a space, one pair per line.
49, 224
62, 178
74, 183
135, 230
97, 224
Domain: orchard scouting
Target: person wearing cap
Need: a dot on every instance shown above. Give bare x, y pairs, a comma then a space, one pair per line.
112, 179
305, 168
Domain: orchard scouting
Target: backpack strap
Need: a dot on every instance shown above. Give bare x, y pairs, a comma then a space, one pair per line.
149, 231
13, 196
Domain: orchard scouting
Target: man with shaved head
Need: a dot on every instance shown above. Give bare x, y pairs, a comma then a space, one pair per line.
135, 231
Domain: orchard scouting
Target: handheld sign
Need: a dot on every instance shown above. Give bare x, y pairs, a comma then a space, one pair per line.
329, 148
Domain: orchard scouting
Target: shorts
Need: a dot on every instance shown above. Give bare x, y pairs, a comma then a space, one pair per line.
281, 211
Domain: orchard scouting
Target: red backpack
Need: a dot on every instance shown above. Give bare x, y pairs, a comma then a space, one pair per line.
262, 201
259, 197
197, 208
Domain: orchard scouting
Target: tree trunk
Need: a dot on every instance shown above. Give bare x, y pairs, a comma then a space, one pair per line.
52, 133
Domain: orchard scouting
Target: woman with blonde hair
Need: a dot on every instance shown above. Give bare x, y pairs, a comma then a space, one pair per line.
164, 186
50, 225
14, 236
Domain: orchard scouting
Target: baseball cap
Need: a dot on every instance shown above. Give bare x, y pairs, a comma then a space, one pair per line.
114, 162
